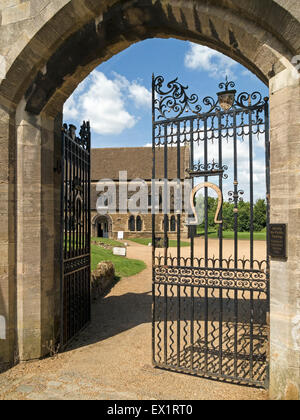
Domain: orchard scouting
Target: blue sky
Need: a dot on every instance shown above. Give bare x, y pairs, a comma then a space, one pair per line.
116, 97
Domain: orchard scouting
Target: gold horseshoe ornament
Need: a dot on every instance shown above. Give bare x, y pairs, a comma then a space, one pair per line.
220, 201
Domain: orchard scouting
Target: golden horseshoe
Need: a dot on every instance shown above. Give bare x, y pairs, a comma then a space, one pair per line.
220, 201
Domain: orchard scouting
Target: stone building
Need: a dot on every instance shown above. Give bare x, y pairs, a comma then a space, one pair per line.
107, 163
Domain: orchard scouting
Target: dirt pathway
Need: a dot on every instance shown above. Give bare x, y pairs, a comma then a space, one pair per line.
111, 359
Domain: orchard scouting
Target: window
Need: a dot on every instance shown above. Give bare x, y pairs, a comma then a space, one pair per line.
173, 224
131, 224
139, 224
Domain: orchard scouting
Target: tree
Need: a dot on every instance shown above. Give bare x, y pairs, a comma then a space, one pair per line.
228, 216
260, 215
244, 217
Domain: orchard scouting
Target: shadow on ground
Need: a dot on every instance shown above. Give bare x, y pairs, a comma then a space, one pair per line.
113, 315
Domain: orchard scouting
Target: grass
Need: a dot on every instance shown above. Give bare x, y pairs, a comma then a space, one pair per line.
124, 267
258, 236
147, 241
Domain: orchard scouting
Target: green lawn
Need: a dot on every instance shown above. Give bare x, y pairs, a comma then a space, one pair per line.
258, 236
124, 267
147, 241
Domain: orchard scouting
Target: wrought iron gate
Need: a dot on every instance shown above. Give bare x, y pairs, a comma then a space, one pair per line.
210, 306
75, 239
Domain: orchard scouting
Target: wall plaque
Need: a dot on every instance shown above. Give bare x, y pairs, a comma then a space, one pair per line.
277, 241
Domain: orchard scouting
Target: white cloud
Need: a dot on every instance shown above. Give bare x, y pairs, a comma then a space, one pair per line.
70, 109
104, 102
140, 95
213, 62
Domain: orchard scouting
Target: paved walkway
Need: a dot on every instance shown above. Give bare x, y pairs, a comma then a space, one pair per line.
111, 359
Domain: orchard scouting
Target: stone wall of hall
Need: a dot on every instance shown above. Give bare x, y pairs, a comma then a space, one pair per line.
120, 223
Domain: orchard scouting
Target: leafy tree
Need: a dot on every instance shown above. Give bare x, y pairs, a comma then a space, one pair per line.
244, 217
260, 215
228, 216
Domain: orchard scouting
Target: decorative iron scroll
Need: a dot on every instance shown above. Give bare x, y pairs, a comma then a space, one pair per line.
236, 197
211, 169
173, 101
211, 277
212, 262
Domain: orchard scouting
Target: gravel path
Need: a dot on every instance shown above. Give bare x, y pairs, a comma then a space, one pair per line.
111, 359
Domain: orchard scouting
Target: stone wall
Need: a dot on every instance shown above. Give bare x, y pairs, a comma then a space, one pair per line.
120, 224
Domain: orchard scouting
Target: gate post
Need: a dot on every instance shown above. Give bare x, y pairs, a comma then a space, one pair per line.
285, 208
38, 207
7, 235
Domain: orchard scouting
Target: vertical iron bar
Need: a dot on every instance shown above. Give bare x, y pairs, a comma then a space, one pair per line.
251, 189
153, 314
178, 327
206, 329
235, 332
251, 334
221, 188
153, 202
192, 327
192, 239
221, 331
153, 192
178, 181
235, 191
165, 323
165, 203
206, 194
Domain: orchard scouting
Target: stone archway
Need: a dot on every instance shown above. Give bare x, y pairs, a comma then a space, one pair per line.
102, 226
56, 48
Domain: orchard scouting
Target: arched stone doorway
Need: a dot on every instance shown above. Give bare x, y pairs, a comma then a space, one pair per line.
63, 43
102, 227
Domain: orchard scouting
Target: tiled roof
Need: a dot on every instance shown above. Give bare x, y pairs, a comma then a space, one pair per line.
137, 161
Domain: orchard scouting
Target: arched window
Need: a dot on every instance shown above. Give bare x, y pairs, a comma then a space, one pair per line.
173, 224
139, 224
131, 224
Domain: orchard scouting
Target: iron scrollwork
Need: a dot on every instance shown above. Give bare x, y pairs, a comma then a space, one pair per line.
235, 197
173, 101
174, 98
209, 169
